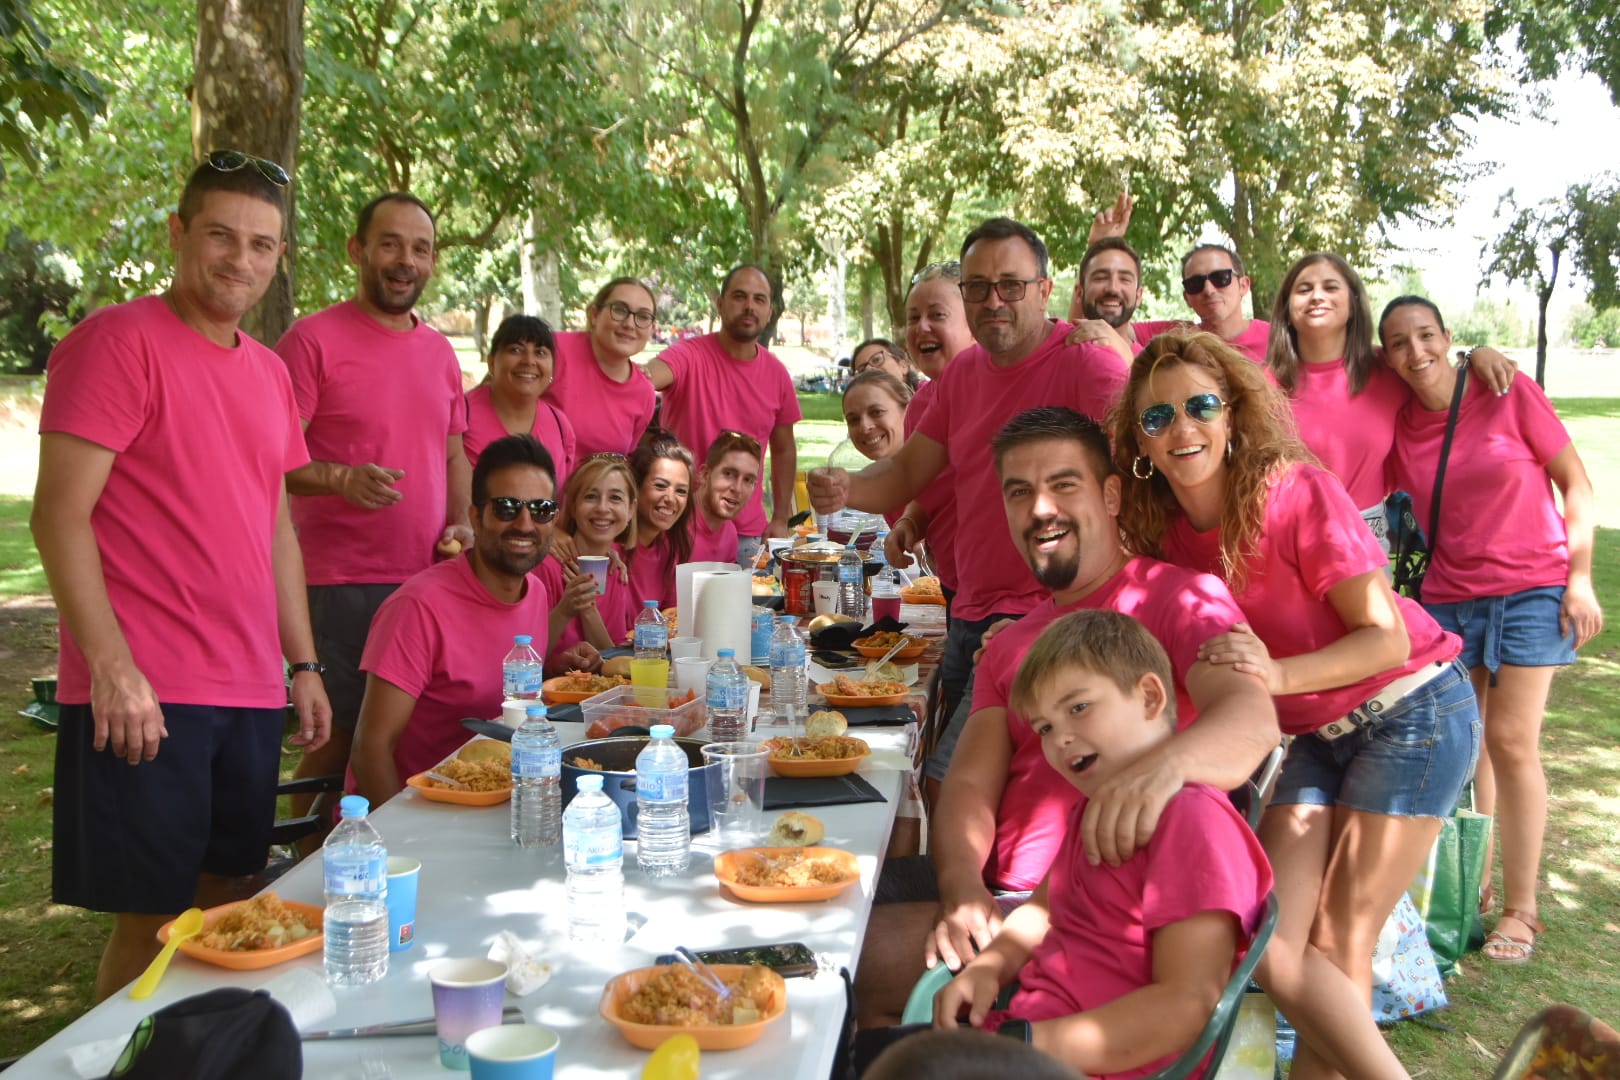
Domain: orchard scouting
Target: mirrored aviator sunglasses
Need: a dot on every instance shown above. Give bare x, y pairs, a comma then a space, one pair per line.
1157, 418
235, 160
540, 510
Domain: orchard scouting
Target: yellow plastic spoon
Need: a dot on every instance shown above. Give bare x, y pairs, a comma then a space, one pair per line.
189, 924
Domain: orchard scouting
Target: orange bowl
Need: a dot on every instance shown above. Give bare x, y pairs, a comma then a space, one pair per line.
787, 765
856, 701
457, 798
250, 959
553, 696
727, 863
874, 652
650, 1036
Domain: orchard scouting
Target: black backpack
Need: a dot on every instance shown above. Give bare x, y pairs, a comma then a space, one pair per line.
225, 1034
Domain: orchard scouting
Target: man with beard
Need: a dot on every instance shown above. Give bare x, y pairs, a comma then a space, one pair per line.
435, 647
727, 381
1107, 292
1001, 812
726, 481
380, 396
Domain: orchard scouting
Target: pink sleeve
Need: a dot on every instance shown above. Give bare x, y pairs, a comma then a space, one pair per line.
458, 408
297, 454
1199, 610
303, 365
402, 645
570, 441
1203, 858
1322, 533
1544, 433
936, 419
97, 390
992, 680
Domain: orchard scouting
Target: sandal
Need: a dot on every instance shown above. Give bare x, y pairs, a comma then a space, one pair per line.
1512, 950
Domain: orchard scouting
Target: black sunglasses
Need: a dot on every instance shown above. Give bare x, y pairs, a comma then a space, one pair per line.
1157, 418
1218, 278
540, 510
234, 160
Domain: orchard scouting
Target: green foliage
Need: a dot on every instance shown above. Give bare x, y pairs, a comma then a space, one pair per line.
38, 88
1489, 322
1591, 329
1557, 35
35, 285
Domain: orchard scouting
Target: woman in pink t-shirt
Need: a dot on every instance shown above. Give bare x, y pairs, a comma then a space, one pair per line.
875, 404
1508, 575
599, 515
664, 476
607, 396
1385, 726
521, 363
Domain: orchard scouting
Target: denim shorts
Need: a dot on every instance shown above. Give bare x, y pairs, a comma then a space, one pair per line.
1412, 763
1520, 629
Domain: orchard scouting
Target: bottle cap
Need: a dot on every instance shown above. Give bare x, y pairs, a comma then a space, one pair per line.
788, 620
588, 781
663, 731
728, 652
354, 806
649, 603
534, 711
522, 639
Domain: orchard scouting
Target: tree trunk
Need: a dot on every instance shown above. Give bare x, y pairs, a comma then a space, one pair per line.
528, 281
548, 287
1543, 298
837, 302
866, 301
247, 94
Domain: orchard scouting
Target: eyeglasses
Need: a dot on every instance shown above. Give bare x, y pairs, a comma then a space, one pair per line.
877, 359
234, 160
1157, 418
1194, 285
1010, 290
540, 510
952, 270
621, 311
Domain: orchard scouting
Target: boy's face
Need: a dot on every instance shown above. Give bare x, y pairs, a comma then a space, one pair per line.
1089, 728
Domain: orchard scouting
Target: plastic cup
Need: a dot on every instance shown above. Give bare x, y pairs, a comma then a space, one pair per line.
403, 875
886, 606
467, 996
597, 567
736, 790
650, 678
825, 594
692, 673
682, 647
513, 1052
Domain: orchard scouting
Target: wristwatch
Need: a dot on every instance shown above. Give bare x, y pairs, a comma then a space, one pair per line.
308, 665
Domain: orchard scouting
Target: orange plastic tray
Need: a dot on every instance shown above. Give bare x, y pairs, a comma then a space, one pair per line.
873, 652
250, 959
727, 862
856, 701
786, 765
651, 1036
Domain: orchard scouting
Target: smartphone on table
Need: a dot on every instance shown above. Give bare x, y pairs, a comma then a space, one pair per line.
790, 959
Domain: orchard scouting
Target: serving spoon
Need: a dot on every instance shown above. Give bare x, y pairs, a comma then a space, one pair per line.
188, 925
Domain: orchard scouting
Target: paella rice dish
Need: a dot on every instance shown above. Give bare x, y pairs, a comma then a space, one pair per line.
792, 869
262, 923
676, 997
819, 747
476, 775
844, 686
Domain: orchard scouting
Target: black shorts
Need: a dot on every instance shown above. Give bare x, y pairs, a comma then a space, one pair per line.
134, 838
340, 617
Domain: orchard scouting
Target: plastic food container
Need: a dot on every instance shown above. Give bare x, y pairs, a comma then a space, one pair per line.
621, 707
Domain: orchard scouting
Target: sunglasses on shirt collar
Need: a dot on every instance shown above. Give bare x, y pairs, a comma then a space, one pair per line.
1157, 418
540, 510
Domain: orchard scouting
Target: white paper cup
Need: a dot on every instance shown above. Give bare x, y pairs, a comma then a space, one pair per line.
826, 596
682, 647
692, 673
514, 711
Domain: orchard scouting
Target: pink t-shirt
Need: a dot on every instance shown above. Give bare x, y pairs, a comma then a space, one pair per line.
716, 544
1251, 343
975, 400
1313, 540
1203, 857
440, 638
938, 499
608, 416
550, 426
714, 393
1351, 436
618, 605
1180, 608
1500, 531
184, 525
652, 572
390, 397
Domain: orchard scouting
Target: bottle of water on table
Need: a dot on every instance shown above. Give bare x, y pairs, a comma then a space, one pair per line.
726, 692
522, 671
536, 781
663, 823
788, 672
651, 633
851, 584
355, 867
593, 850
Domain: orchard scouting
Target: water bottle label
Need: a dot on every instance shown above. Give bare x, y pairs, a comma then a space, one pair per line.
787, 654
350, 876
596, 847
661, 787
727, 696
537, 761
522, 682
849, 575
652, 636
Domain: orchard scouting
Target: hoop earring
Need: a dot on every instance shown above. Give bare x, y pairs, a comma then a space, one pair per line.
1136, 467
1229, 449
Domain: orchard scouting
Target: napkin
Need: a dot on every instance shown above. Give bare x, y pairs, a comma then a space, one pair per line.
782, 792
302, 992
524, 973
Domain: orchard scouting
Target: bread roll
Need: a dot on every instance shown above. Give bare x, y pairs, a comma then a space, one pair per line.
826, 722
486, 750
759, 675
794, 829
618, 665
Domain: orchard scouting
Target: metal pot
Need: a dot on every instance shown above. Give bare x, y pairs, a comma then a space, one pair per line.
618, 754
815, 562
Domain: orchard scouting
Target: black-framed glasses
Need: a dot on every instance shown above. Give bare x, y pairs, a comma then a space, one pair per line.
1157, 418
540, 510
1194, 285
235, 160
1010, 290
952, 270
622, 311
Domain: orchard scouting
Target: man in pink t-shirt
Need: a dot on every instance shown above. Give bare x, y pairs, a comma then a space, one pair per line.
727, 381
380, 395
164, 530
726, 481
1107, 292
434, 653
1215, 287
1001, 814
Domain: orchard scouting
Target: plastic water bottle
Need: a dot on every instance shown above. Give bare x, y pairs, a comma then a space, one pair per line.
593, 850
663, 824
536, 781
726, 692
355, 866
876, 552
652, 633
788, 672
522, 671
851, 584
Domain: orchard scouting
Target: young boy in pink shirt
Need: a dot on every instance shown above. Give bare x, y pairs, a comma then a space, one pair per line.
727, 480
1119, 966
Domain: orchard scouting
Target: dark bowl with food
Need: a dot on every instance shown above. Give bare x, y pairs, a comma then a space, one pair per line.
617, 756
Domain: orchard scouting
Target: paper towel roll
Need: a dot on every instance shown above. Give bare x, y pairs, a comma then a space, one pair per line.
723, 602
687, 614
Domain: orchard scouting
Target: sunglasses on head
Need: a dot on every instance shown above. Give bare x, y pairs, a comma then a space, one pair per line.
1218, 278
234, 160
952, 270
1157, 418
540, 510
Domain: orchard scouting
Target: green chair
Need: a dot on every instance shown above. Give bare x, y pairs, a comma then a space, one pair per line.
1211, 1042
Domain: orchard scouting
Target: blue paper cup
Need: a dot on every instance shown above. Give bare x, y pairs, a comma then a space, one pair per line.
513, 1052
403, 874
467, 998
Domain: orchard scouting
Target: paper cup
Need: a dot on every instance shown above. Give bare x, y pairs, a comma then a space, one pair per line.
692, 673
682, 647
597, 567
514, 711
467, 997
826, 596
753, 699
513, 1052
403, 876
736, 790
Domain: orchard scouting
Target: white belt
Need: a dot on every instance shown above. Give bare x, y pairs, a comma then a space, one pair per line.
1372, 710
